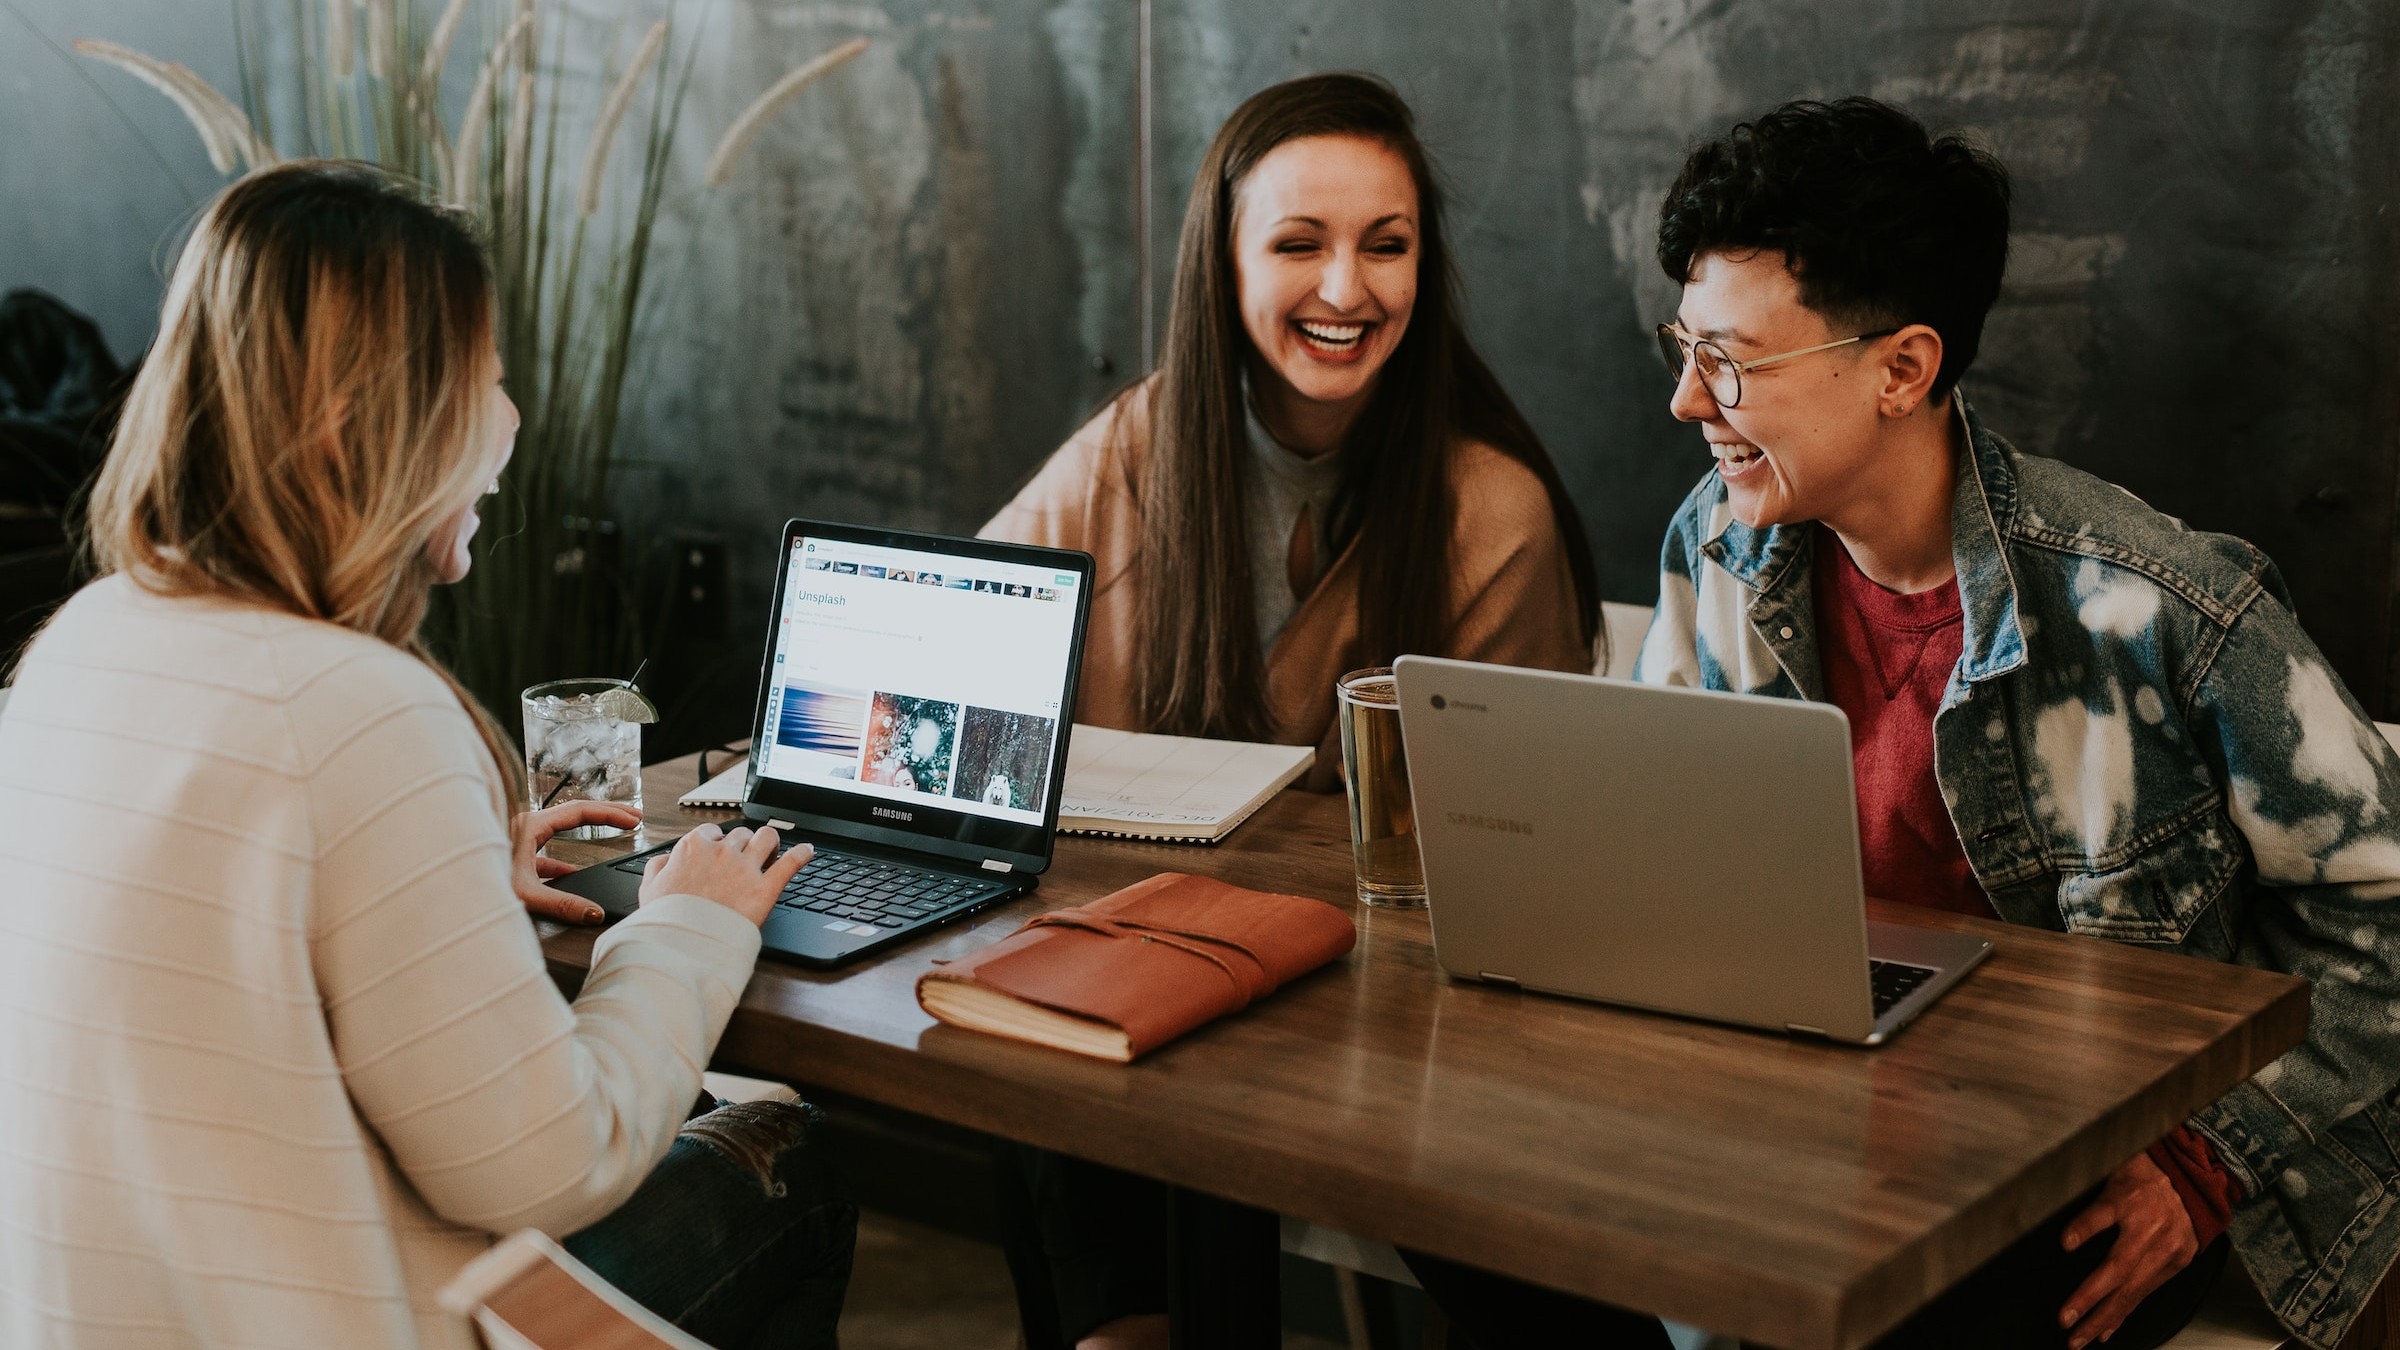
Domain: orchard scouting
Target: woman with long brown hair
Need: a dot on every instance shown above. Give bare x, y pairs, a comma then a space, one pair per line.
1322, 474
281, 1050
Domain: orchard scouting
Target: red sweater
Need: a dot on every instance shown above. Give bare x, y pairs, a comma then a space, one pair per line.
1886, 659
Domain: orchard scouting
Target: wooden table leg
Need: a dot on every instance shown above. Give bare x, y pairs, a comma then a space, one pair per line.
1224, 1291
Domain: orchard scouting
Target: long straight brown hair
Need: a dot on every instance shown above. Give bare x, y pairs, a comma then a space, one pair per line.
312, 412
1198, 665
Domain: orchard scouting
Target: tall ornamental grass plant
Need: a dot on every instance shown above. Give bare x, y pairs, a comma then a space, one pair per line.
551, 594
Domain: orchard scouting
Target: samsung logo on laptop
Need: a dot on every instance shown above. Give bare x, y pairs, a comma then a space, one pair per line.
894, 813
1498, 824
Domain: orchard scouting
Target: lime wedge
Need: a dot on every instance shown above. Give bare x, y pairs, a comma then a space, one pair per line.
626, 705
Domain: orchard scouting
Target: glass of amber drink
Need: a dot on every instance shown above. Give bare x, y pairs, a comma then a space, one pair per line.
1383, 820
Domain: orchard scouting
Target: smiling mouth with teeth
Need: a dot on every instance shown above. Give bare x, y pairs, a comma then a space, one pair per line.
1331, 337
1734, 457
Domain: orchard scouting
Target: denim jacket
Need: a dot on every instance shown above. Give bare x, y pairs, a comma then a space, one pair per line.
2140, 743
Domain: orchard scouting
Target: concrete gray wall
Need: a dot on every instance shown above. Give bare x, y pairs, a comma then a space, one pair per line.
97, 173
2200, 297
931, 265
917, 283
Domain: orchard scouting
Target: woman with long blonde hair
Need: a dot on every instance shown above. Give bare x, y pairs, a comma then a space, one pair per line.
280, 1050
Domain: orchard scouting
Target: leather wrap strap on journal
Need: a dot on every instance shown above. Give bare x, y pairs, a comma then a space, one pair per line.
1244, 969
1161, 956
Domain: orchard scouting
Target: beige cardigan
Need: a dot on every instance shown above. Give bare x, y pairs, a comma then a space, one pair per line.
1512, 594
278, 1047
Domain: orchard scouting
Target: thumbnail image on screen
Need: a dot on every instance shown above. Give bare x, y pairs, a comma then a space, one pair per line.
828, 726
910, 743
1004, 758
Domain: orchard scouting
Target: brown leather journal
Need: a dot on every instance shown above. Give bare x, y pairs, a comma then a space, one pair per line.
1127, 973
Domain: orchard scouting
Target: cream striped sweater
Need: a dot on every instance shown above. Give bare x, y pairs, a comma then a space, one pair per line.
277, 1049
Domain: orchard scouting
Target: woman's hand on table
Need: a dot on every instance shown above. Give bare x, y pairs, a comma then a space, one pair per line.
735, 868
529, 870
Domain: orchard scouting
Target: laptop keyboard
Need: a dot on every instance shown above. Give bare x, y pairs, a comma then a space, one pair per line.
871, 890
1895, 981
888, 895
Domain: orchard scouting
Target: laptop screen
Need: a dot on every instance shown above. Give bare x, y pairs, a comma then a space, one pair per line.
921, 685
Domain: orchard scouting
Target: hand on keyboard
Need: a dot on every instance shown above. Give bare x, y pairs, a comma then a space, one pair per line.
739, 870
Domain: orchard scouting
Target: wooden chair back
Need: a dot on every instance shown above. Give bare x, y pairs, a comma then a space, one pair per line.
528, 1293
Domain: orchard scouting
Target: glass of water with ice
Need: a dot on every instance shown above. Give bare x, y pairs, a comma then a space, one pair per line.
583, 742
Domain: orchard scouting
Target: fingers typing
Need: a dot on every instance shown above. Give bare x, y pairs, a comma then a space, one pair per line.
783, 869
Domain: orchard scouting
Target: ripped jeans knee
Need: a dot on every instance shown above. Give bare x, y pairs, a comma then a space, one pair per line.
755, 1137
740, 1226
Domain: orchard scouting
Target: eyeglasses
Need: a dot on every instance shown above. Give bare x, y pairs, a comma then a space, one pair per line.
1720, 374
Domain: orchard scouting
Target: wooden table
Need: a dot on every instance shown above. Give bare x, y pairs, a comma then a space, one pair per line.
1797, 1194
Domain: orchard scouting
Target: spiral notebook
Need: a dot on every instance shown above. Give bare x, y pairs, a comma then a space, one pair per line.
723, 791
1134, 785
1182, 789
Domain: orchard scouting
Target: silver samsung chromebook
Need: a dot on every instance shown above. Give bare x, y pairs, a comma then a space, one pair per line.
1677, 850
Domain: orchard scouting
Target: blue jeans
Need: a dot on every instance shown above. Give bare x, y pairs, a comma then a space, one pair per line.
737, 1237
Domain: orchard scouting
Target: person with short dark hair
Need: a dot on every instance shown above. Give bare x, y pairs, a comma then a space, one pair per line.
2067, 710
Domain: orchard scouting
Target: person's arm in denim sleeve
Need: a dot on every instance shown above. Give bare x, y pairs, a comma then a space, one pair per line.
2315, 790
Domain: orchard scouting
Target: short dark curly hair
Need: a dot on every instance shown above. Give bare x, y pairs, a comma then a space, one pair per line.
1882, 224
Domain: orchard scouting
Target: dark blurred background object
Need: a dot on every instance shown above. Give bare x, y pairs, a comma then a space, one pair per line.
703, 672
60, 390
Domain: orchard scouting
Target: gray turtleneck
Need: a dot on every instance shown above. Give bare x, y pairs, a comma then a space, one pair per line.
1278, 484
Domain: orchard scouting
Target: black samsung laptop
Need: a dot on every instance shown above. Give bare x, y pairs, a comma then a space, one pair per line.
912, 725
